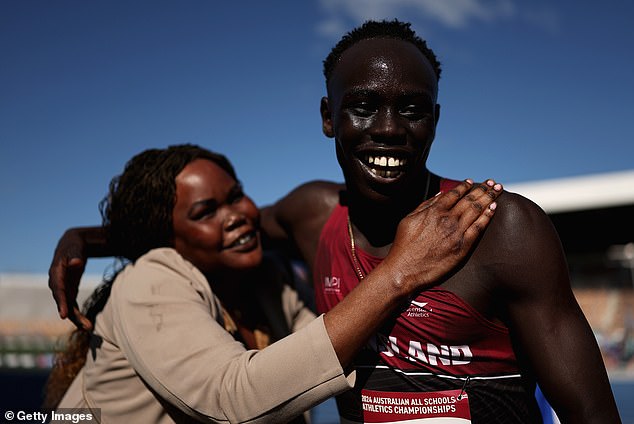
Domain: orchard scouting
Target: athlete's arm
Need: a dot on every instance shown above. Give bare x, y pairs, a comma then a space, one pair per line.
69, 261
549, 330
294, 223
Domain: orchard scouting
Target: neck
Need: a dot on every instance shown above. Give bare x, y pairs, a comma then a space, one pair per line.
375, 223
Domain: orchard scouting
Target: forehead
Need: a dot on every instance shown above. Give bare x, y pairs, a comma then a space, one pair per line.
383, 64
202, 179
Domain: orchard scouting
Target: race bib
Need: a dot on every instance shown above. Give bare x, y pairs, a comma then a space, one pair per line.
443, 407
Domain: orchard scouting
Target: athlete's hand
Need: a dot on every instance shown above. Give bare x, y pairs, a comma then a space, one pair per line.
438, 235
64, 274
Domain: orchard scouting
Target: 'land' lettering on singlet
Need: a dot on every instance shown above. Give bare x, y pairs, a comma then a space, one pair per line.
425, 352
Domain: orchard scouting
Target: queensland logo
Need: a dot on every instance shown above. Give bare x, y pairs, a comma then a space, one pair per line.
332, 284
418, 310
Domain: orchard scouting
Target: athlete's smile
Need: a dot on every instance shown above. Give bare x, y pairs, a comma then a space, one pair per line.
383, 165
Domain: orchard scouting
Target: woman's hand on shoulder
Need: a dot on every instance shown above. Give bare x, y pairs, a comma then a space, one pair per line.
439, 234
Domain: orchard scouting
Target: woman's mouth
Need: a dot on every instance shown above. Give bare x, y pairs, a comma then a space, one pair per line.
244, 241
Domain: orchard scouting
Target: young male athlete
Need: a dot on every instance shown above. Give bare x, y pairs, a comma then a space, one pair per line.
505, 319
473, 347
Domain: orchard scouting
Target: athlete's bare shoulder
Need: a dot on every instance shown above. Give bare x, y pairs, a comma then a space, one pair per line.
318, 191
308, 201
519, 217
520, 244
298, 217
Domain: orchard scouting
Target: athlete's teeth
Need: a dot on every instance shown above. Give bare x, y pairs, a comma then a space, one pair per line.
386, 161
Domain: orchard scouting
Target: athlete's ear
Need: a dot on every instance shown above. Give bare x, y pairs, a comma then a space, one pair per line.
326, 118
437, 113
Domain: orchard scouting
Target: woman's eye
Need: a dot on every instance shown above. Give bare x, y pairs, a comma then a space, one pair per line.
235, 196
204, 213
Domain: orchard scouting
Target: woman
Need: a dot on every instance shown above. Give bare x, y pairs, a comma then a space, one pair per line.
171, 343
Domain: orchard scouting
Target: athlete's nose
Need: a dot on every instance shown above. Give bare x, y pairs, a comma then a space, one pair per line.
386, 127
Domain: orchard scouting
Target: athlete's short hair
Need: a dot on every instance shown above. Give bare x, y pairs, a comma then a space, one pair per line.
379, 29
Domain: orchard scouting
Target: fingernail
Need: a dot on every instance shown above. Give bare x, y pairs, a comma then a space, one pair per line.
469, 180
493, 205
490, 183
497, 187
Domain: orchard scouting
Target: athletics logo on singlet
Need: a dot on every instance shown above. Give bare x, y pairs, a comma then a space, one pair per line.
418, 310
332, 284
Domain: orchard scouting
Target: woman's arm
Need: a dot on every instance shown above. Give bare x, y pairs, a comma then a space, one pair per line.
168, 325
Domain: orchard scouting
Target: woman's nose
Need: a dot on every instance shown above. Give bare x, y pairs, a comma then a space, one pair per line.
234, 220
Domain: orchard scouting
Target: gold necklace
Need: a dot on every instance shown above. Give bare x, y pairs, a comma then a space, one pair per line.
357, 267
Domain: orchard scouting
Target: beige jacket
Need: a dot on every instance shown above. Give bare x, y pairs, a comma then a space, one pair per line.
161, 354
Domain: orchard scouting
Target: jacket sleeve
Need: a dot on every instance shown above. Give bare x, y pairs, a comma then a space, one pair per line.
172, 339
296, 312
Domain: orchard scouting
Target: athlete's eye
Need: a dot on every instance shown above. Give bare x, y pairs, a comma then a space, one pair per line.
363, 109
416, 110
413, 112
416, 107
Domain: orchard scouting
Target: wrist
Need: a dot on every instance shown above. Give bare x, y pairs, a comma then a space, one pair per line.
93, 242
402, 283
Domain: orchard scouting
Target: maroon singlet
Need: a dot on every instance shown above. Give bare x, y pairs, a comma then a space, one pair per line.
436, 342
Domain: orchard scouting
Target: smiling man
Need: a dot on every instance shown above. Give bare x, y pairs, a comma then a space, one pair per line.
506, 319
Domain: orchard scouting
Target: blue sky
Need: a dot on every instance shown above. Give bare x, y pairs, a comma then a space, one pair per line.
530, 91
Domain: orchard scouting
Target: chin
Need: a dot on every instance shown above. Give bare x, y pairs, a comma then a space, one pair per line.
250, 261
380, 192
